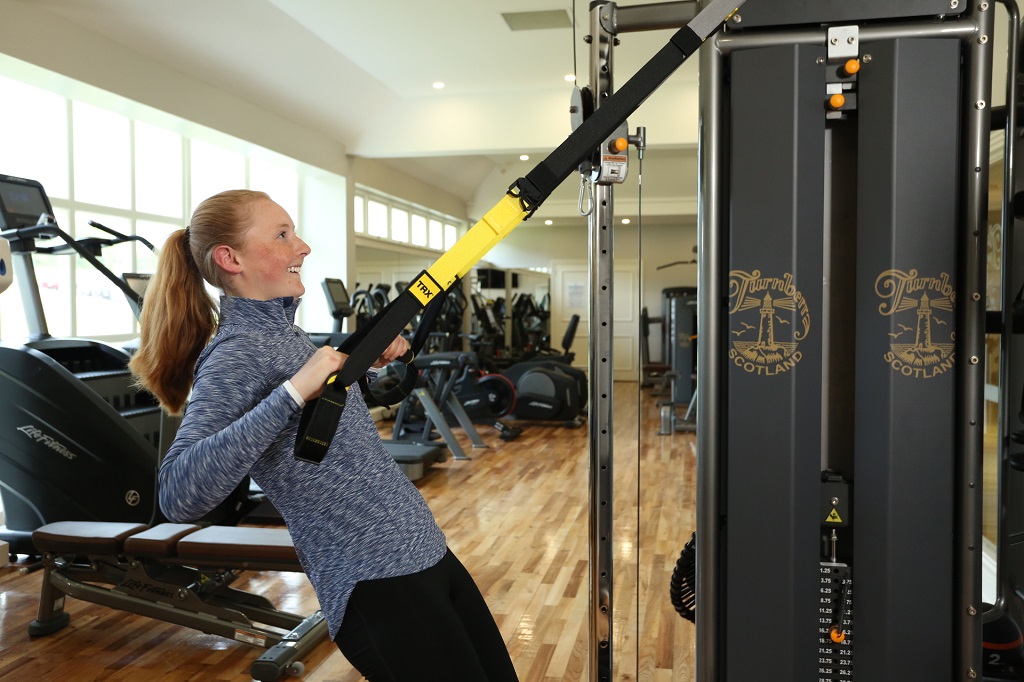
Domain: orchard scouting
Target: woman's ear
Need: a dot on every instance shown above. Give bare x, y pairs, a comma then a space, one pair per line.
226, 259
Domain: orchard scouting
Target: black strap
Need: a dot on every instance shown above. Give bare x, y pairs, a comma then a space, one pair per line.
566, 158
320, 416
398, 393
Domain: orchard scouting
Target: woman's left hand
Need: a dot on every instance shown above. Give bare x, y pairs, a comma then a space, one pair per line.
397, 349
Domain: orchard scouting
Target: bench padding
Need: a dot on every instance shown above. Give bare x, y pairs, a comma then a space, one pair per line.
238, 542
177, 542
84, 537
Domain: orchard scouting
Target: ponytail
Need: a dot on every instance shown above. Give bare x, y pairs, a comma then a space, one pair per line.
179, 316
177, 321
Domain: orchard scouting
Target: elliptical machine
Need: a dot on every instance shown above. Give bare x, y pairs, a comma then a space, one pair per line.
548, 387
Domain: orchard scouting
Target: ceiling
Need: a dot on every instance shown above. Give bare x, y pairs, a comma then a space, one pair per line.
362, 73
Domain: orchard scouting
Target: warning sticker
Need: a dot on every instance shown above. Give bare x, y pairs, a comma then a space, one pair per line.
833, 517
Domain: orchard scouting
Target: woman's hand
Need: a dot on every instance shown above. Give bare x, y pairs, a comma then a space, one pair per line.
310, 380
397, 349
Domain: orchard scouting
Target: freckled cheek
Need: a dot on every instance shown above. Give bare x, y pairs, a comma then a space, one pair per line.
270, 261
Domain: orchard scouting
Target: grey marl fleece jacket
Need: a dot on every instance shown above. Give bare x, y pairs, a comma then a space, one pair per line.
353, 517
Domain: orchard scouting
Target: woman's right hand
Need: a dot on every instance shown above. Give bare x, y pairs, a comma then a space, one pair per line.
310, 380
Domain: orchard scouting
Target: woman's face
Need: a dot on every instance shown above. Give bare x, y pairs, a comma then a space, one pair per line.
271, 255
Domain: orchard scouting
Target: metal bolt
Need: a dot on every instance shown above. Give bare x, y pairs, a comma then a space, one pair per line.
953, 4
834, 41
588, 39
980, 104
850, 40
182, 594
974, 359
866, 59
819, 61
975, 296
737, 19
983, 7
971, 611
970, 671
835, 501
982, 40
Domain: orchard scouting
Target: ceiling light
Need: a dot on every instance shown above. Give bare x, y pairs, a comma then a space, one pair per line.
549, 222
625, 221
570, 78
524, 157
438, 85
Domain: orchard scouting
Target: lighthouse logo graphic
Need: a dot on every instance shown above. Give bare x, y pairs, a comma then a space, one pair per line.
922, 338
768, 318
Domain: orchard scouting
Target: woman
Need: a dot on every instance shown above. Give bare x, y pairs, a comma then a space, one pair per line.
398, 603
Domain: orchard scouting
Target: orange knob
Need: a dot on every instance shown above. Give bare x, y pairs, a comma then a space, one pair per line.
851, 66
836, 101
837, 635
618, 144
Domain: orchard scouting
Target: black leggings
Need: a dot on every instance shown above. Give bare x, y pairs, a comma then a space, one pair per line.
432, 625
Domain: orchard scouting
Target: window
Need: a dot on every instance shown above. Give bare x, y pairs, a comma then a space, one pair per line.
102, 159
403, 222
277, 180
376, 219
155, 233
158, 171
419, 230
101, 308
34, 136
140, 174
214, 169
435, 236
399, 225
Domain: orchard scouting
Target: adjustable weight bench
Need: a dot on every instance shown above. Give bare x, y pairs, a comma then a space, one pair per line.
181, 574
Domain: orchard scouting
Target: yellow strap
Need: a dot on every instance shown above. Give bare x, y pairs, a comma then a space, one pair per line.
468, 251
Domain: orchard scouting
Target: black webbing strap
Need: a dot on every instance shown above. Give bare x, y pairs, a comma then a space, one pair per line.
566, 158
398, 393
369, 342
320, 416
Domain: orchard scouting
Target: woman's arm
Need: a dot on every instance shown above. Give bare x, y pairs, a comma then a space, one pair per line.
238, 408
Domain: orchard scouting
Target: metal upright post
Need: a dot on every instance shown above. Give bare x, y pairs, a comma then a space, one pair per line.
972, 246
710, 428
601, 388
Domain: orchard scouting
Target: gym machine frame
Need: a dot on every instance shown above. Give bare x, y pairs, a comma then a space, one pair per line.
939, 630
594, 135
608, 20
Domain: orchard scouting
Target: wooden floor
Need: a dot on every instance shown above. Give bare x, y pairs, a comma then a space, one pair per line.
517, 516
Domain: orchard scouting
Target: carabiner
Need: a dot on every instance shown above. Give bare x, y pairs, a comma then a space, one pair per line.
586, 188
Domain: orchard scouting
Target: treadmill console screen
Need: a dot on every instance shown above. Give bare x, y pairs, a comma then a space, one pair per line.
337, 297
21, 202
